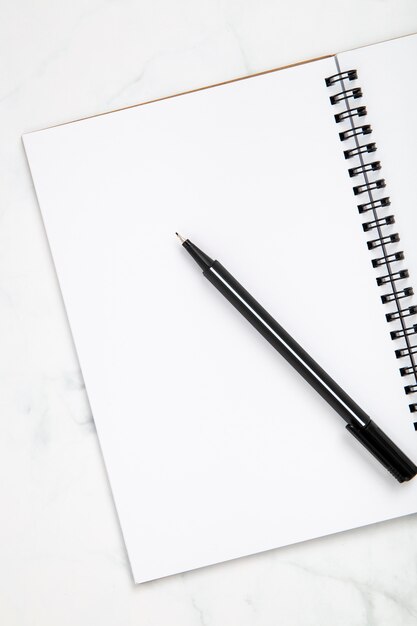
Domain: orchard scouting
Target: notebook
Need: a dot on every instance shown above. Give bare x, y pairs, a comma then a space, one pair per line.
302, 183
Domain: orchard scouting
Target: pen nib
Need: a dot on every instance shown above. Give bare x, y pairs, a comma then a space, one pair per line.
180, 238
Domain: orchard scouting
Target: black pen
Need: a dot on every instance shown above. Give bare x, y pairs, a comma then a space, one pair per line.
357, 421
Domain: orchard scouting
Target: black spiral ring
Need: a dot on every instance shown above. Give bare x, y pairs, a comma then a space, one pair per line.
385, 240
374, 204
369, 147
349, 113
401, 313
368, 167
341, 76
381, 221
355, 131
354, 93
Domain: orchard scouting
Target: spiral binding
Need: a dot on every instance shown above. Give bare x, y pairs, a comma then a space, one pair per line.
370, 185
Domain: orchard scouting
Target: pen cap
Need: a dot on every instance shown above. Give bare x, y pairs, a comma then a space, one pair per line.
385, 450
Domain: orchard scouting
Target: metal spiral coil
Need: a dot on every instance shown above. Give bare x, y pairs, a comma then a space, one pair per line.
385, 241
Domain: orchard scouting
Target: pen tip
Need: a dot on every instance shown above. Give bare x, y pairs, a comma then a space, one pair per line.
180, 238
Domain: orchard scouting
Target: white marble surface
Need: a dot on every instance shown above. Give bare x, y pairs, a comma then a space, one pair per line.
62, 558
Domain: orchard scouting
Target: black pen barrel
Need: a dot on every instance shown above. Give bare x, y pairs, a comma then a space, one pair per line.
278, 337
358, 423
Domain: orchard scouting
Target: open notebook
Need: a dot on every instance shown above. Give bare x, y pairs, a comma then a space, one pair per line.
214, 446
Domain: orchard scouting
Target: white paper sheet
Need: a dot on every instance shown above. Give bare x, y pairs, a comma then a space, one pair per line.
214, 446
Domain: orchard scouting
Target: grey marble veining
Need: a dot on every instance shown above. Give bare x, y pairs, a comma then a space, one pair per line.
62, 557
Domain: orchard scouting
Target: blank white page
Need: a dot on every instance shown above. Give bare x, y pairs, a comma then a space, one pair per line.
214, 446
